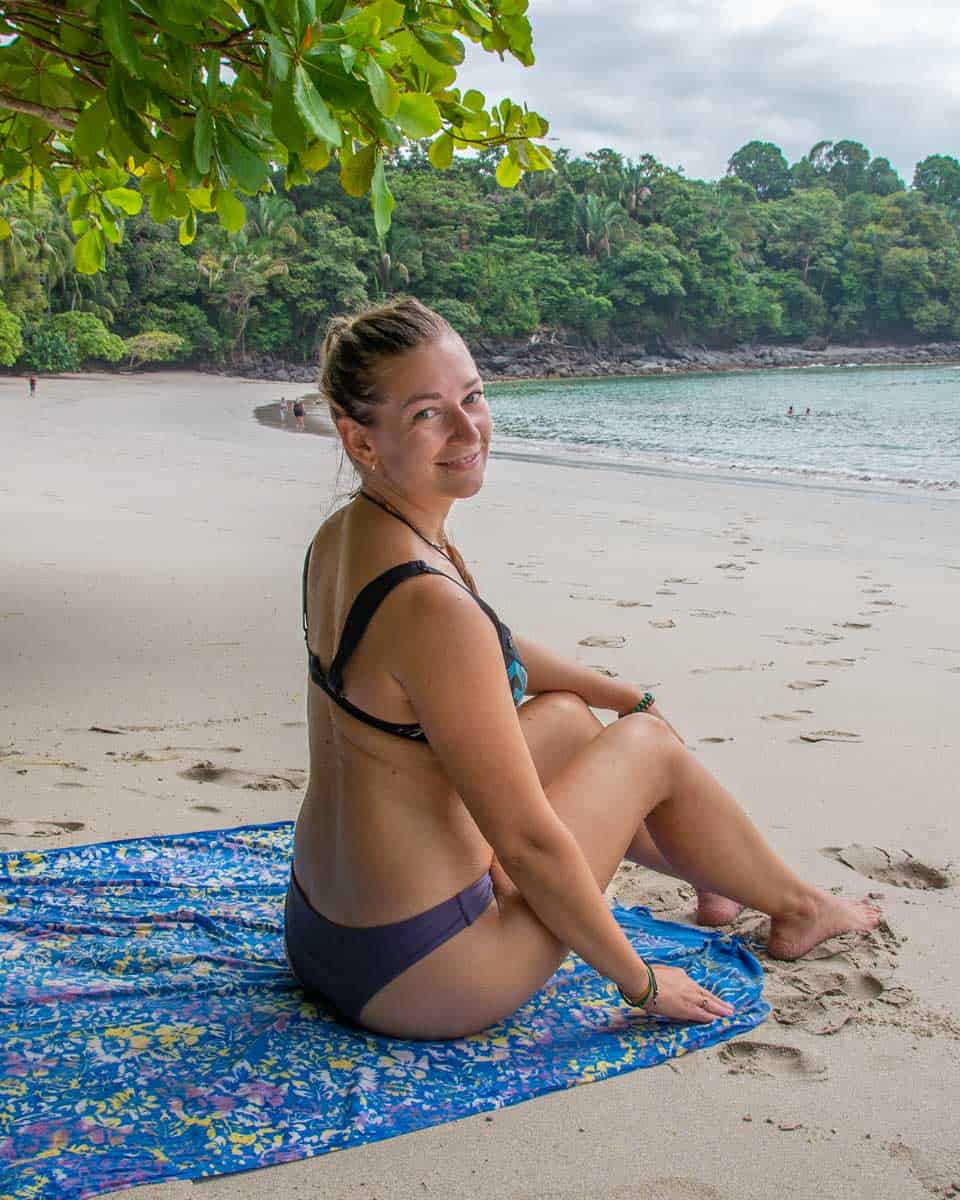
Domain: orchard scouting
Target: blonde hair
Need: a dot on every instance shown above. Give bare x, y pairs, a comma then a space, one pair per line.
354, 348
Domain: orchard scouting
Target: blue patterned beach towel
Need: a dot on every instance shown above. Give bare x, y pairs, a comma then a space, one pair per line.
149, 1028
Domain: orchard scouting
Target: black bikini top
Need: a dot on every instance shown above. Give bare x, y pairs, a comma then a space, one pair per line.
361, 611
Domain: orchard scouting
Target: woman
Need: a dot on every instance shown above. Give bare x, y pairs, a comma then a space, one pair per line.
452, 847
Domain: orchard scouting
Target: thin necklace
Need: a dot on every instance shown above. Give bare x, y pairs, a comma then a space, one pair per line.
410, 525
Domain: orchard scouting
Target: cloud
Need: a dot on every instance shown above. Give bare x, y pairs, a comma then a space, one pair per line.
692, 81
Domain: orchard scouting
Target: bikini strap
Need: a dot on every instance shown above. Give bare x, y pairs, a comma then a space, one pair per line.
306, 568
366, 604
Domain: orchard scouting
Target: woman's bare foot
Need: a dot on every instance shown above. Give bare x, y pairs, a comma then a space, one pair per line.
716, 910
825, 916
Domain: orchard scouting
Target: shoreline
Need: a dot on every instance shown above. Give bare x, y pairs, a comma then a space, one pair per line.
565, 454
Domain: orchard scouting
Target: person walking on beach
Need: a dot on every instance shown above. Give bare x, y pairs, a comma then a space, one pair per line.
33, 385
298, 414
456, 836
283, 410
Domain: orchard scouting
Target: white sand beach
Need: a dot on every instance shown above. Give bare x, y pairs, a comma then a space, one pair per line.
805, 641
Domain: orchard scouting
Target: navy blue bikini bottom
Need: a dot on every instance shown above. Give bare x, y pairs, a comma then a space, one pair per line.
347, 965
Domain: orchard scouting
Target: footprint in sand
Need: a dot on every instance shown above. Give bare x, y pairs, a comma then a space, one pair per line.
37, 829
682, 579
744, 1057
729, 566
603, 670
205, 808
672, 1187
259, 781
805, 685
853, 624
667, 623
710, 613
740, 667
821, 1016
811, 637
613, 641
138, 756
830, 735
780, 717
665, 592
715, 741
218, 749
830, 662
632, 604
897, 867
823, 1001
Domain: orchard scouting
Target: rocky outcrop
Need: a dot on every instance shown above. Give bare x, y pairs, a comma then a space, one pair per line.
267, 366
544, 359
539, 360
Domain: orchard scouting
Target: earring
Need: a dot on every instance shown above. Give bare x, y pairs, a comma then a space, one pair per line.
373, 466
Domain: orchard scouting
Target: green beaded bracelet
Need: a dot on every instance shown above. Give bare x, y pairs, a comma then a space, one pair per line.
649, 997
648, 701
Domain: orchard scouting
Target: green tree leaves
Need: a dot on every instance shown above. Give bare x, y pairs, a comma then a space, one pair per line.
763, 166
383, 200
313, 109
418, 115
196, 95
89, 252
11, 340
119, 36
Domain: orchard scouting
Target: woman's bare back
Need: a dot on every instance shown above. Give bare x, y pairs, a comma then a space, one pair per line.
381, 834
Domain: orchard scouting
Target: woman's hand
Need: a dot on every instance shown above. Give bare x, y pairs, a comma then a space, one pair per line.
681, 998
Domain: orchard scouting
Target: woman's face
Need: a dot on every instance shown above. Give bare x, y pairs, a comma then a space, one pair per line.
431, 434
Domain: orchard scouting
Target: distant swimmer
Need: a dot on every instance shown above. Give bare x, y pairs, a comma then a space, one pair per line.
790, 411
806, 412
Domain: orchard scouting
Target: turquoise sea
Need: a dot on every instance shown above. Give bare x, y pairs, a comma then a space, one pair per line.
881, 427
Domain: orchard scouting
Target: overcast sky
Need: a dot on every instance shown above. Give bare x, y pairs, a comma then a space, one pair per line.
690, 81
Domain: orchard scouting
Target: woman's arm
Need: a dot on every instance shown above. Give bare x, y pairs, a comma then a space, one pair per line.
548, 672
454, 674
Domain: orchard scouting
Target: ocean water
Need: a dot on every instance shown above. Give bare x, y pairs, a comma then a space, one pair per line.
880, 427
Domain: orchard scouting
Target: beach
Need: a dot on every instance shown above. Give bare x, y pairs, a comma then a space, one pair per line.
804, 639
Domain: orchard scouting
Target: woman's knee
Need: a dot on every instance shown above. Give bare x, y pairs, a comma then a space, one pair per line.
650, 742
569, 710
557, 726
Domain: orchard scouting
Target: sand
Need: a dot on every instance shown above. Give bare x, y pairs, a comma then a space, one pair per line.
804, 640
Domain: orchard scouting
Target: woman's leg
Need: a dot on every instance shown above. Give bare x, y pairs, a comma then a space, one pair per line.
557, 726
700, 830
487, 971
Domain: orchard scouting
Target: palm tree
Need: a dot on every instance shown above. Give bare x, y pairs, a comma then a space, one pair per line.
398, 253
274, 222
599, 223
